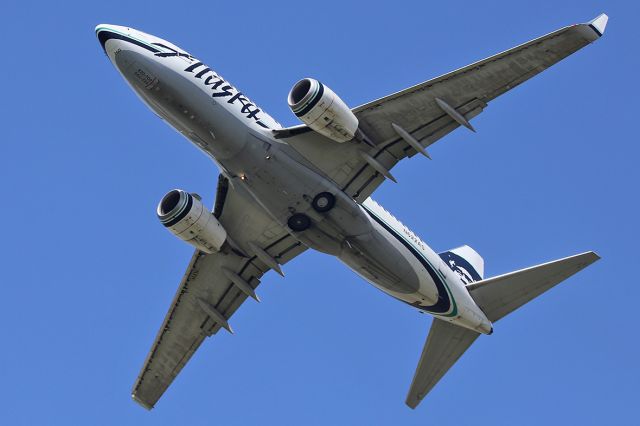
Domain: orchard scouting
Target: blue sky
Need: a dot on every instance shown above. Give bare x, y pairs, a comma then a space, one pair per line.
88, 272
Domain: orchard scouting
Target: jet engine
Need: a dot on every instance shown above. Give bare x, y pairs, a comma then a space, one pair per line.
188, 219
322, 110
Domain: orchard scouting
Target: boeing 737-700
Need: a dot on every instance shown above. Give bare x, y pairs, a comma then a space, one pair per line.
282, 191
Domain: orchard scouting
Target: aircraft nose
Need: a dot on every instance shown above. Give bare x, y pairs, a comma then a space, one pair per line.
117, 37
106, 32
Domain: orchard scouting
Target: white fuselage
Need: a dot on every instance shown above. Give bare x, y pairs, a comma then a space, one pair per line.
236, 134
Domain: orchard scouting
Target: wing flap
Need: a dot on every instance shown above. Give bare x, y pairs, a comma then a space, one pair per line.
355, 176
364, 181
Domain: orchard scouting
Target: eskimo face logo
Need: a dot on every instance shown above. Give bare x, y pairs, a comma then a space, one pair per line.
461, 267
463, 273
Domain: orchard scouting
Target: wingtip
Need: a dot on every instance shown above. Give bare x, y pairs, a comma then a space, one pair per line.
599, 23
141, 402
412, 402
587, 258
595, 256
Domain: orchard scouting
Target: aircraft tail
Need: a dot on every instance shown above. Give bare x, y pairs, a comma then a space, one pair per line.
466, 262
497, 297
501, 295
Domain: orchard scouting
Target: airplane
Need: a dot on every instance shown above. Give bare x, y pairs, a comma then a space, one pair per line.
282, 191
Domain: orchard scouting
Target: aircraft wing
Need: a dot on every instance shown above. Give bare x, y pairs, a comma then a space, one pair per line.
207, 296
430, 110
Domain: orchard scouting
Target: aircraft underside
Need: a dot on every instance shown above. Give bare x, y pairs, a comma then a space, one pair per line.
282, 191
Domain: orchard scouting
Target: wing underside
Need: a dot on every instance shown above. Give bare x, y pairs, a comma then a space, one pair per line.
431, 110
207, 296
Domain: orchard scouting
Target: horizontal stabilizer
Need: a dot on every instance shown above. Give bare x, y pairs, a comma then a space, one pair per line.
501, 295
445, 344
497, 297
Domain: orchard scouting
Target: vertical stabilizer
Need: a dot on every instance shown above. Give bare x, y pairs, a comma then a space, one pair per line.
466, 262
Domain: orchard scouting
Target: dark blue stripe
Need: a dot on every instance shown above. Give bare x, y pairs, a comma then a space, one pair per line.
444, 303
447, 256
596, 30
183, 213
104, 35
313, 102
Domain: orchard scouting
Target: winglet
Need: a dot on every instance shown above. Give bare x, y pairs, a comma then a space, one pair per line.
599, 24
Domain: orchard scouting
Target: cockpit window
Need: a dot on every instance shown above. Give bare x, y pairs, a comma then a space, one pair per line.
174, 52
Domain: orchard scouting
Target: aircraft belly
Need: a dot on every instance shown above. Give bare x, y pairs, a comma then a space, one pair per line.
183, 105
280, 184
388, 265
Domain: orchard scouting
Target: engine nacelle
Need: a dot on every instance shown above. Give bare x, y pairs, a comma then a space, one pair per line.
188, 219
322, 110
